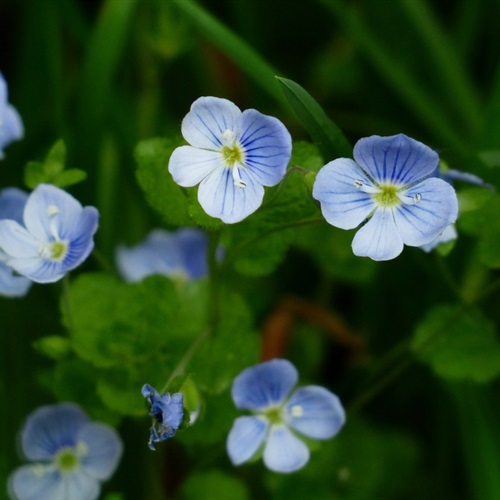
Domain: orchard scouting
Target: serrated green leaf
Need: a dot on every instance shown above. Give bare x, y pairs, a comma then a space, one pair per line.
129, 323
162, 193
198, 215
326, 134
479, 209
232, 346
458, 344
202, 485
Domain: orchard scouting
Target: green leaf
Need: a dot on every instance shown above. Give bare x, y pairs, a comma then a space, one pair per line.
162, 193
231, 347
55, 160
326, 134
203, 485
458, 344
34, 174
70, 177
257, 245
129, 323
53, 346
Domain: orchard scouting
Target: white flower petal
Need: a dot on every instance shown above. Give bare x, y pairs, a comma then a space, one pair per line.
220, 198
208, 119
343, 204
50, 208
104, 449
245, 438
16, 241
449, 234
422, 222
379, 238
12, 285
267, 145
79, 485
284, 452
397, 159
38, 269
189, 166
36, 482
315, 412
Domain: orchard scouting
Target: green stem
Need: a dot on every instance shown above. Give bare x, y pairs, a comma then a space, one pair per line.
184, 361
70, 321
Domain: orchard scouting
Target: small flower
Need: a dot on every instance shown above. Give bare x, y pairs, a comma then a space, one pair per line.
167, 411
279, 416
11, 125
72, 454
232, 155
181, 253
12, 202
56, 236
389, 185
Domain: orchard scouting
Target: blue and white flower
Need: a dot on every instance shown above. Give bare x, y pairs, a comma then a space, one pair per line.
389, 188
71, 455
232, 155
12, 202
55, 237
167, 411
280, 416
11, 125
181, 254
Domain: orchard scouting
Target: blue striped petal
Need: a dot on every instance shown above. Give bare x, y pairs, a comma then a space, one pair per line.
422, 222
396, 159
284, 452
379, 238
343, 204
189, 166
207, 120
37, 482
245, 438
221, 198
267, 145
12, 285
264, 385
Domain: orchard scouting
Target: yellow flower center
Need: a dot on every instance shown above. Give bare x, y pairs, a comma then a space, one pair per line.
232, 154
58, 250
66, 460
388, 196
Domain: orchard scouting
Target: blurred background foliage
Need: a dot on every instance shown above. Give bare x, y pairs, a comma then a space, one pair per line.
105, 75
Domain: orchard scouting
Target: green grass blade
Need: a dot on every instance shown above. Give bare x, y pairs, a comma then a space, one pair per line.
328, 137
403, 83
235, 48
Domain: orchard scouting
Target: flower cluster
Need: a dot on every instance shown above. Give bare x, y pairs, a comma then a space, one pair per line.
167, 411
54, 236
72, 455
280, 416
181, 253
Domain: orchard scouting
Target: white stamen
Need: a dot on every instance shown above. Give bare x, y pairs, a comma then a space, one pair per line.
52, 210
238, 181
228, 135
365, 188
297, 411
411, 200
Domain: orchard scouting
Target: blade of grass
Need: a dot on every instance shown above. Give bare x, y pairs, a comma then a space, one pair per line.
478, 414
234, 47
328, 137
457, 87
422, 105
